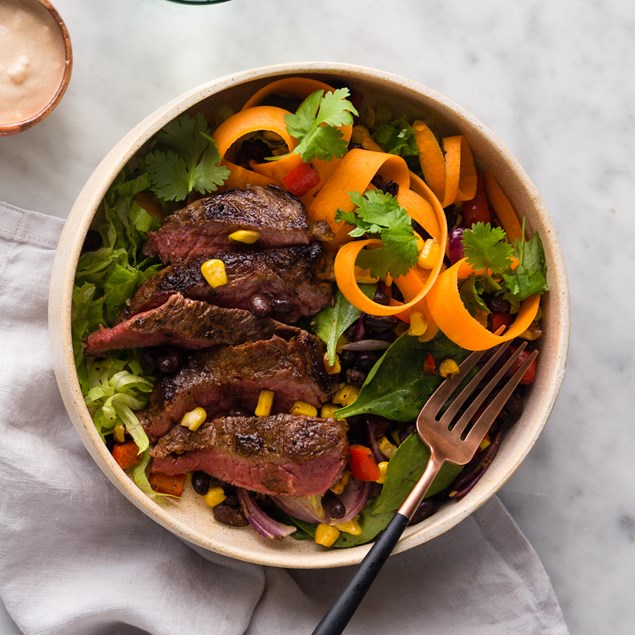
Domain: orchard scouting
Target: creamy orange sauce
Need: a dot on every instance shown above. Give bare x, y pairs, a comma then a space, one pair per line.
32, 59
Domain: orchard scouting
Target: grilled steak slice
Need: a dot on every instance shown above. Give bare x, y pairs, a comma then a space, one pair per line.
280, 454
187, 323
227, 377
202, 228
279, 283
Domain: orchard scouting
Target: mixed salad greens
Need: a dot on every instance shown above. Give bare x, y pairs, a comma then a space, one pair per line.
391, 359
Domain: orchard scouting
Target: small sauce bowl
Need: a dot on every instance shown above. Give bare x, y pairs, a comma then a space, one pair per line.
16, 70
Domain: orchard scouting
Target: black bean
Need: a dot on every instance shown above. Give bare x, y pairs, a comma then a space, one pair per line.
333, 506
406, 432
347, 358
355, 376
200, 482
381, 297
498, 305
228, 515
367, 359
425, 510
513, 408
169, 360
148, 365
379, 323
259, 305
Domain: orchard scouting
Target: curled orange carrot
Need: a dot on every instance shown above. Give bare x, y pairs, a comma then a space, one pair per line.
299, 87
460, 171
451, 316
431, 158
503, 208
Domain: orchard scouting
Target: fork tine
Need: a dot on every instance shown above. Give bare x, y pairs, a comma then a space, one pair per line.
483, 423
447, 387
461, 398
478, 401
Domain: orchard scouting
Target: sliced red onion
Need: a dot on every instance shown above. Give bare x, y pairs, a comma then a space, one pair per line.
455, 244
366, 345
354, 498
359, 329
372, 428
261, 522
306, 508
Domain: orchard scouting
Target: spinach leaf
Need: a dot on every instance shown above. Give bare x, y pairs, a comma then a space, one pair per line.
397, 387
331, 322
404, 470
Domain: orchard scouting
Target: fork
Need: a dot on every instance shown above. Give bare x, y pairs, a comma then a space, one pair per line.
448, 440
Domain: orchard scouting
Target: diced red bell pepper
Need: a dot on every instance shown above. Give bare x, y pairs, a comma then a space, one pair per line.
496, 320
429, 365
530, 375
362, 463
167, 484
477, 210
301, 180
126, 454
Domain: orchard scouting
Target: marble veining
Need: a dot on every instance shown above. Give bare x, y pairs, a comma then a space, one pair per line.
554, 81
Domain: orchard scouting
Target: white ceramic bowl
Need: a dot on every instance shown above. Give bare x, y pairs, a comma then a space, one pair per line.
189, 518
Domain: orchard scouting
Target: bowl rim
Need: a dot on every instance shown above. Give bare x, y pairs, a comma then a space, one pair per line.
62, 278
15, 127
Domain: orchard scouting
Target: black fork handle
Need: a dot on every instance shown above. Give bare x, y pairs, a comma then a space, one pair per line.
341, 611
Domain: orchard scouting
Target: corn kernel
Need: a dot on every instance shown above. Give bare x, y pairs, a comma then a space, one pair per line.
119, 433
383, 467
429, 255
351, 526
214, 272
194, 419
328, 411
448, 367
420, 241
363, 276
338, 488
215, 496
303, 408
326, 535
418, 324
265, 402
347, 395
334, 368
485, 443
386, 447
361, 135
247, 236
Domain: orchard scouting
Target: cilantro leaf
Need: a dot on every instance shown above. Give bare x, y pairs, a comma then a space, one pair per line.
379, 214
186, 160
315, 124
486, 248
397, 137
530, 276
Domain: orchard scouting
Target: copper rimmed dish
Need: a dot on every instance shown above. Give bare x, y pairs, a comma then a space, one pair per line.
189, 518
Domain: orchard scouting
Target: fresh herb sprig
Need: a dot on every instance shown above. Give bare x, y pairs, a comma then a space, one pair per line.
316, 123
379, 214
186, 160
488, 251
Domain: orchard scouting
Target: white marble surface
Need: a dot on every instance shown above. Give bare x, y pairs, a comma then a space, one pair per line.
554, 80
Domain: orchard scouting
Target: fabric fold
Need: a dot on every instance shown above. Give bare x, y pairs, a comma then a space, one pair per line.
77, 557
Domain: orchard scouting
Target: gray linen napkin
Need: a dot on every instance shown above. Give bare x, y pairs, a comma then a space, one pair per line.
77, 557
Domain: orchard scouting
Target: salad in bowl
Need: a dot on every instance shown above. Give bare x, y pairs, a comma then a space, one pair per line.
274, 281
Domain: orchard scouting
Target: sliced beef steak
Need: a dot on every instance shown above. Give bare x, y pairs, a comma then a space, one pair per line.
279, 454
202, 228
188, 323
226, 377
279, 283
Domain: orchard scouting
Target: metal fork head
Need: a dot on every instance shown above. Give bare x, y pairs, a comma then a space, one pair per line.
457, 441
